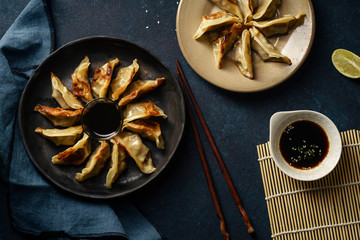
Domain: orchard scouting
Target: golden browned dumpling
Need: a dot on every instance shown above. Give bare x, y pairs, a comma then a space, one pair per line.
231, 6
80, 81
117, 163
266, 10
133, 145
139, 88
142, 110
264, 49
243, 54
277, 26
102, 78
62, 95
122, 80
76, 154
214, 21
95, 163
58, 116
248, 8
147, 128
225, 41
66, 136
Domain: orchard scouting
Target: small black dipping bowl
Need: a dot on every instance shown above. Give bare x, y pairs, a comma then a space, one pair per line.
101, 118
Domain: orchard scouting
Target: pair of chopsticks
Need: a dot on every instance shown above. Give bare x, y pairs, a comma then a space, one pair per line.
184, 84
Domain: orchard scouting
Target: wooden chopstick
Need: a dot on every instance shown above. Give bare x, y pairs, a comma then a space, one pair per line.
234, 194
204, 163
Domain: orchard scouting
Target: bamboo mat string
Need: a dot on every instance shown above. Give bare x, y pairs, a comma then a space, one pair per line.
328, 208
310, 189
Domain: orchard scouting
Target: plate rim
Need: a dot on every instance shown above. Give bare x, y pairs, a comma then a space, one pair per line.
189, 61
154, 175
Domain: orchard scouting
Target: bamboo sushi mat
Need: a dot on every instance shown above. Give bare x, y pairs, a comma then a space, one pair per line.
328, 208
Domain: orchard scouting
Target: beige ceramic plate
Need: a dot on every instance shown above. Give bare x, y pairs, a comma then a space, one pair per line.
198, 53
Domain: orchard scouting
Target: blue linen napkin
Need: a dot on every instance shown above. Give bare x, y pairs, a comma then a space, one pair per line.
36, 207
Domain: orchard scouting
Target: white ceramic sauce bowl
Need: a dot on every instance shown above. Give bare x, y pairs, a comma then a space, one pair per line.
278, 123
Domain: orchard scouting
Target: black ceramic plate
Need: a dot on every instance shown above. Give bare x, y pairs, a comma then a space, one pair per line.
62, 63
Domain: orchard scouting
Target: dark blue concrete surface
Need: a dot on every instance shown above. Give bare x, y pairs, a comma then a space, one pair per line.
178, 203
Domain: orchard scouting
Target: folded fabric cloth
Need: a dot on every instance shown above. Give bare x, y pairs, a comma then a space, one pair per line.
36, 207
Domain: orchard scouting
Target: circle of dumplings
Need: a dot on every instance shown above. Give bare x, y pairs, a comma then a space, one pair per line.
138, 120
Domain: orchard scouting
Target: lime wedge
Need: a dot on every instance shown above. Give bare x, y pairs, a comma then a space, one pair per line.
346, 62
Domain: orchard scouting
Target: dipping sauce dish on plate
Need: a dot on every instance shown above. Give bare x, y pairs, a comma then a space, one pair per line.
305, 145
101, 118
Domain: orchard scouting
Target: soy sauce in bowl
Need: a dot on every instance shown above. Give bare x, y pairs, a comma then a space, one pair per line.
102, 118
304, 144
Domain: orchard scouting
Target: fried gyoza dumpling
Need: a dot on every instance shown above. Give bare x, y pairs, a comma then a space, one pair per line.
137, 150
243, 54
117, 163
102, 78
139, 88
62, 95
277, 26
58, 116
95, 163
248, 7
142, 110
80, 81
214, 21
67, 136
264, 49
231, 6
267, 9
76, 154
147, 128
225, 41
122, 80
